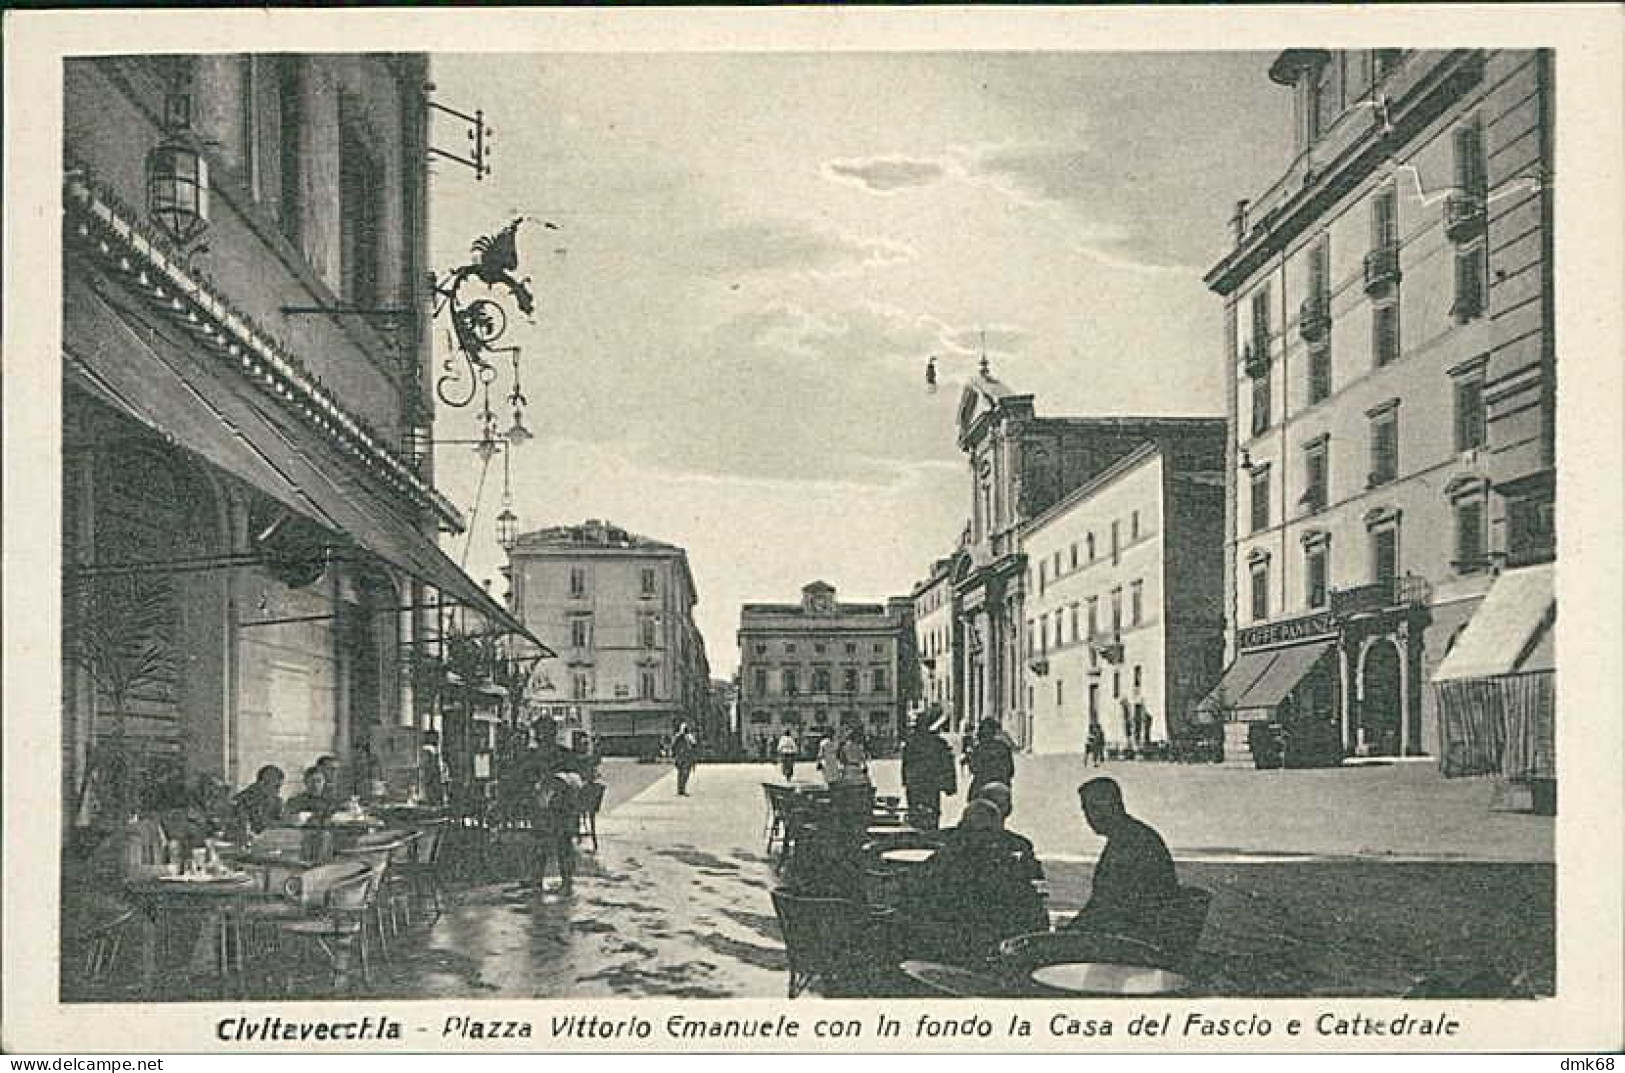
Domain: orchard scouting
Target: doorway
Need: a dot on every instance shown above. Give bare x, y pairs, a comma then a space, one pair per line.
1381, 701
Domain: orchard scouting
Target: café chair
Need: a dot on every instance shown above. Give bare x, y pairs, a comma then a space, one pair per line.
833, 942
419, 872
336, 899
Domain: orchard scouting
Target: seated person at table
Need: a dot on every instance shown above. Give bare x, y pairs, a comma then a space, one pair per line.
329, 766
1135, 875
975, 893
316, 798
998, 795
260, 805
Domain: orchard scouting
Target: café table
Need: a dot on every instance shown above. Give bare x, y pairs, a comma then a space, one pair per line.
1104, 978
962, 983
907, 855
221, 898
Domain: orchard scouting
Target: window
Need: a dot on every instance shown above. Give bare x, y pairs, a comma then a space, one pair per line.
578, 582
1472, 283
1043, 575
1314, 574
1032, 636
1074, 555
1385, 332
789, 648
1117, 683
818, 649
1472, 544
1385, 553
1260, 345
361, 189
1261, 401
1136, 602
1469, 392
646, 631
581, 632
646, 684
1261, 590
1057, 571
880, 648
1042, 640
1259, 486
648, 581
1471, 167
851, 648
1094, 616
1134, 525
1075, 637
1117, 611
1117, 544
849, 680
1384, 446
1089, 545
787, 681
761, 648
1058, 701
1531, 529
290, 126
1137, 679
1320, 372
759, 681
878, 678
820, 680
1314, 476
579, 688
1384, 219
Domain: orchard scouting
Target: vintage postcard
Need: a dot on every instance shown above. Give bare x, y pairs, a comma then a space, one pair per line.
861, 530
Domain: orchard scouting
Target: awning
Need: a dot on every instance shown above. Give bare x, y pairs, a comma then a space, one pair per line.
161, 387
1510, 633
1261, 680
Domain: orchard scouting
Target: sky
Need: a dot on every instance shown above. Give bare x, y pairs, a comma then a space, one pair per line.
752, 256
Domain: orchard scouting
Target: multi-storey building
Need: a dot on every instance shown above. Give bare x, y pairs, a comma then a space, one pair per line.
618, 609
1124, 586
820, 664
936, 644
1389, 363
249, 563
1020, 466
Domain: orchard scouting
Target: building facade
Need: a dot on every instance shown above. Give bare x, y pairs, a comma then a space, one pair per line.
1021, 465
815, 666
250, 564
618, 609
1124, 585
1390, 370
937, 645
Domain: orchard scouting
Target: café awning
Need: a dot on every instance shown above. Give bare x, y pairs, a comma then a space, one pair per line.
1261, 680
158, 385
1510, 633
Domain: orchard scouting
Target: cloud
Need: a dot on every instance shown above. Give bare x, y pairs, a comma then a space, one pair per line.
887, 174
780, 245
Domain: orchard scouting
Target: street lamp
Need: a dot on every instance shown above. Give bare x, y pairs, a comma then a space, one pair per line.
507, 529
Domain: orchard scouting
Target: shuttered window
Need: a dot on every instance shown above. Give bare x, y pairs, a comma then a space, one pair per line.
1385, 332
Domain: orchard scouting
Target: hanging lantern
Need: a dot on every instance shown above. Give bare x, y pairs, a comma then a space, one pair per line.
519, 435
178, 175
507, 529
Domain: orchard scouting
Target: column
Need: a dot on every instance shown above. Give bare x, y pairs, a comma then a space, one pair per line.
1345, 693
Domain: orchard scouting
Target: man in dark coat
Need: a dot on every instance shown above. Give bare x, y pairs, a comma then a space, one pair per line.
260, 805
928, 773
1135, 875
684, 754
991, 760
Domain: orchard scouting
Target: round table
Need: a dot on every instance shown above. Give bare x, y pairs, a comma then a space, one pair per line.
907, 855
1100, 978
222, 897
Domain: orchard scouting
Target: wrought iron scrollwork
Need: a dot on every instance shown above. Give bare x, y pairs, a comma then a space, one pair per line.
478, 324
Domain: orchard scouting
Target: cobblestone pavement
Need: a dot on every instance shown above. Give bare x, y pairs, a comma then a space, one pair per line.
1366, 880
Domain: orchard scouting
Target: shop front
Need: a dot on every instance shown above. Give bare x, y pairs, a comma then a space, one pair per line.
1281, 700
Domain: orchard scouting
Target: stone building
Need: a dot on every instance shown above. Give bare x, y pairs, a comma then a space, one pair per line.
817, 665
249, 562
618, 609
1020, 465
937, 644
1124, 599
1389, 360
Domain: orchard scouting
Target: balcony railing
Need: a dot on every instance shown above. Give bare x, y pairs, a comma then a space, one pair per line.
1464, 216
1314, 318
1382, 268
1385, 595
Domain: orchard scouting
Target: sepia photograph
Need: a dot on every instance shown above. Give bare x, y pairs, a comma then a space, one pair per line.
802, 523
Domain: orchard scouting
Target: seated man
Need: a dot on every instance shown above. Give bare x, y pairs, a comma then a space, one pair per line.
1021, 847
260, 805
1134, 878
317, 797
977, 891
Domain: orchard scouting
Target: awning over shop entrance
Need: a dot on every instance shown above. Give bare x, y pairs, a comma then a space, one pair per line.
161, 387
1511, 631
1261, 680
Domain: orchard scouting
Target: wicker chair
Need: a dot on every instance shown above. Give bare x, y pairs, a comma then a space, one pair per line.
833, 942
336, 904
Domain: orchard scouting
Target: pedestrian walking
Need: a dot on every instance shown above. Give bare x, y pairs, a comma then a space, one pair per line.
557, 801
1096, 748
851, 793
928, 773
991, 759
788, 749
684, 753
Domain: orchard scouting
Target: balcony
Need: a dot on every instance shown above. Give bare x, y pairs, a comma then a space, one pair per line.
1108, 646
1315, 318
1464, 216
1386, 595
1382, 269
